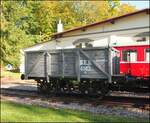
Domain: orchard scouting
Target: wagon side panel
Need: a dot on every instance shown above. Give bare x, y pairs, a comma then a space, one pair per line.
98, 68
34, 64
69, 64
56, 64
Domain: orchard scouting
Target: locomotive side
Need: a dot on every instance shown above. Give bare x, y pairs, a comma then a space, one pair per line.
85, 71
133, 57
135, 65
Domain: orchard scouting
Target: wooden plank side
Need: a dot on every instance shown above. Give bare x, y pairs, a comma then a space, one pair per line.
78, 65
63, 64
69, 66
100, 58
46, 55
34, 60
56, 63
94, 63
66, 63
35, 64
49, 64
109, 64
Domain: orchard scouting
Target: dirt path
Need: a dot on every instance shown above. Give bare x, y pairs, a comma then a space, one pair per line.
18, 84
6, 80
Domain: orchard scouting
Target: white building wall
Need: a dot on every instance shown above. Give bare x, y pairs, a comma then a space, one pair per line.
120, 37
138, 20
101, 39
114, 38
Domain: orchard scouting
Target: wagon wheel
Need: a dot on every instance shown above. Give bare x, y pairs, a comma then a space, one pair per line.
51, 85
104, 89
63, 86
97, 89
42, 86
84, 87
56, 86
70, 87
39, 89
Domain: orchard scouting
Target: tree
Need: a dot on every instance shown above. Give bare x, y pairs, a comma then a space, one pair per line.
14, 30
24, 23
126, 8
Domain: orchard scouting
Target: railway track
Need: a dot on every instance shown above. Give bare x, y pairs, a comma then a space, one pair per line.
19, 92
129, 102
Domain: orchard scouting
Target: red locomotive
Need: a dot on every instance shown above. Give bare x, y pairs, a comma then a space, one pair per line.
135, 65
135, 60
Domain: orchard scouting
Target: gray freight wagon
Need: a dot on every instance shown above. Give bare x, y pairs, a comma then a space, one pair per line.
79, 70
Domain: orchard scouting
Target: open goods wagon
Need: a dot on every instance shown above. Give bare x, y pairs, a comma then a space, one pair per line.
86, 70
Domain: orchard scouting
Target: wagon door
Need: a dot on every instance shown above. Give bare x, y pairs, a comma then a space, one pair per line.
34, 64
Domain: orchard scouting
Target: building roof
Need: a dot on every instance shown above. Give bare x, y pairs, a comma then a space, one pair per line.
111, 20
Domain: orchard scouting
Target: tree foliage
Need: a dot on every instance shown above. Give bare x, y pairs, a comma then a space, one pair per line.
24, 23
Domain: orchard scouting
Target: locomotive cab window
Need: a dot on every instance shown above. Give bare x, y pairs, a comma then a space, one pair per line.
124, 55
129, 55
147, 55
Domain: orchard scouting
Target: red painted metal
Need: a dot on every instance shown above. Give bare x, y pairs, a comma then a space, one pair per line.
139, 68
136, 69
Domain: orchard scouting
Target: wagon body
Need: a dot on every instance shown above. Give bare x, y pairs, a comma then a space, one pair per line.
89, 63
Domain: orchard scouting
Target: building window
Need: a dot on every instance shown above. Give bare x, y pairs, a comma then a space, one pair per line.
129, 55
79, 45
143, 36
147, 55
88, 45
84, 45
141, 39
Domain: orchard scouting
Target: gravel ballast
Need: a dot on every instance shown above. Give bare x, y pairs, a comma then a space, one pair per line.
98, 109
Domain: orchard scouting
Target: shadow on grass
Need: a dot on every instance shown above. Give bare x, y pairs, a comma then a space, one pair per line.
42, 112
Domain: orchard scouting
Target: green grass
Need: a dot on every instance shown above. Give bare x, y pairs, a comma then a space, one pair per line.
14, 75
13, 112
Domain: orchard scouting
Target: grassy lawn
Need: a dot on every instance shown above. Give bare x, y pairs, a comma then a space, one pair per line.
22, 113
5, 73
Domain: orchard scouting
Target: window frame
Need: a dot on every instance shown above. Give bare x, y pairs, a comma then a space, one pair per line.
145, 58
123, 56
128, 52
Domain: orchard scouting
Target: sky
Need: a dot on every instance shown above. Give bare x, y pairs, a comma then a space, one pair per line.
140, 4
